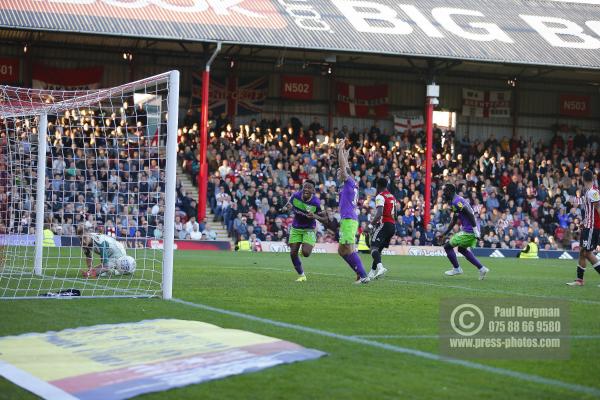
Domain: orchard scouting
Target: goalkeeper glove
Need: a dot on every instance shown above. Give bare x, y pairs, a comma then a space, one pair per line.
476, 232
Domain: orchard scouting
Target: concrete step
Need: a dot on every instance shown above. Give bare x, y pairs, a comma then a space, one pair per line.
216, 226
192, 191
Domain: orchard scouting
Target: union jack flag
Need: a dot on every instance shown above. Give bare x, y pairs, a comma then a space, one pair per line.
232, 95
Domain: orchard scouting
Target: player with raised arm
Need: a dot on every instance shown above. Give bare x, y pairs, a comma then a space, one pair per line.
306, 207
114, 259
468, 235
590, 234
349, 215
382, 227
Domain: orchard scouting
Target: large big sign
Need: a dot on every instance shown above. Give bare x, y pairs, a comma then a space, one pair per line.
538, 32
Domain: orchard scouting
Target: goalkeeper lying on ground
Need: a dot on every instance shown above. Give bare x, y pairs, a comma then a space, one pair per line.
114, 259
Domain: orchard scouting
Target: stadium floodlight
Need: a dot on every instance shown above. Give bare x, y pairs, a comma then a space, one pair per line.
76, 165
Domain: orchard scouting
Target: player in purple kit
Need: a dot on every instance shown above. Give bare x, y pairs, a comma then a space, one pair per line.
306, 206
468, 235
349, 215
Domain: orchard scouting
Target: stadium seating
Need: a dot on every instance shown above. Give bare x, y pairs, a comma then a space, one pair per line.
90, 183
518, 188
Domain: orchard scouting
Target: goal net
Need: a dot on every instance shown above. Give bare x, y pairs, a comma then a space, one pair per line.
88, 175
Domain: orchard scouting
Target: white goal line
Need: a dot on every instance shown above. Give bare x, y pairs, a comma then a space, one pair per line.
87, 285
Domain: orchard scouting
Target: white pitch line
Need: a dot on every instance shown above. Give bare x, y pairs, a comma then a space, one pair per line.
87, 285
95, 285
32, 383
575, 337
467, 288
403, 350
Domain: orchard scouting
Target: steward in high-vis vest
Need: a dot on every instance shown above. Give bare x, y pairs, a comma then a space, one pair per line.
363, 247
530, 250
243, 245
48, 238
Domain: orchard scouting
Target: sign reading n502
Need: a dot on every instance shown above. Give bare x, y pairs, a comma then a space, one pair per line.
297, 87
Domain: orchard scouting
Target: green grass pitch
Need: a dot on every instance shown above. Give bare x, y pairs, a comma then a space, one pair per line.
393, 311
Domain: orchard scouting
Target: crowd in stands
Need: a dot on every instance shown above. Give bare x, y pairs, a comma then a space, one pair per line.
518, 188
104, 172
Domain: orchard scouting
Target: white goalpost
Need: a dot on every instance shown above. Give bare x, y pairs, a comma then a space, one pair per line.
76, 165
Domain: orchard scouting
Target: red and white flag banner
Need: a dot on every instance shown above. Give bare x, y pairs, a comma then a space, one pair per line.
44, 77
403, 123
486, 104
362, 101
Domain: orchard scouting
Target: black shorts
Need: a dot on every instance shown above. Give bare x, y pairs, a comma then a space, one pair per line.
590, 239
382, 235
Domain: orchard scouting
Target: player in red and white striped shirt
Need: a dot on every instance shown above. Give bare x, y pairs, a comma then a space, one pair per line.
383, 227
590, 233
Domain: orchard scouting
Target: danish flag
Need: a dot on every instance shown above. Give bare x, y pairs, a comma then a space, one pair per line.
362, 101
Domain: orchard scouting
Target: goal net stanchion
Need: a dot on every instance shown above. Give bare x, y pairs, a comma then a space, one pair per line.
40, 194
4, 211
171, 175
73, 163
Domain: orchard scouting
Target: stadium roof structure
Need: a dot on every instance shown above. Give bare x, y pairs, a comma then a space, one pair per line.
556, 33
